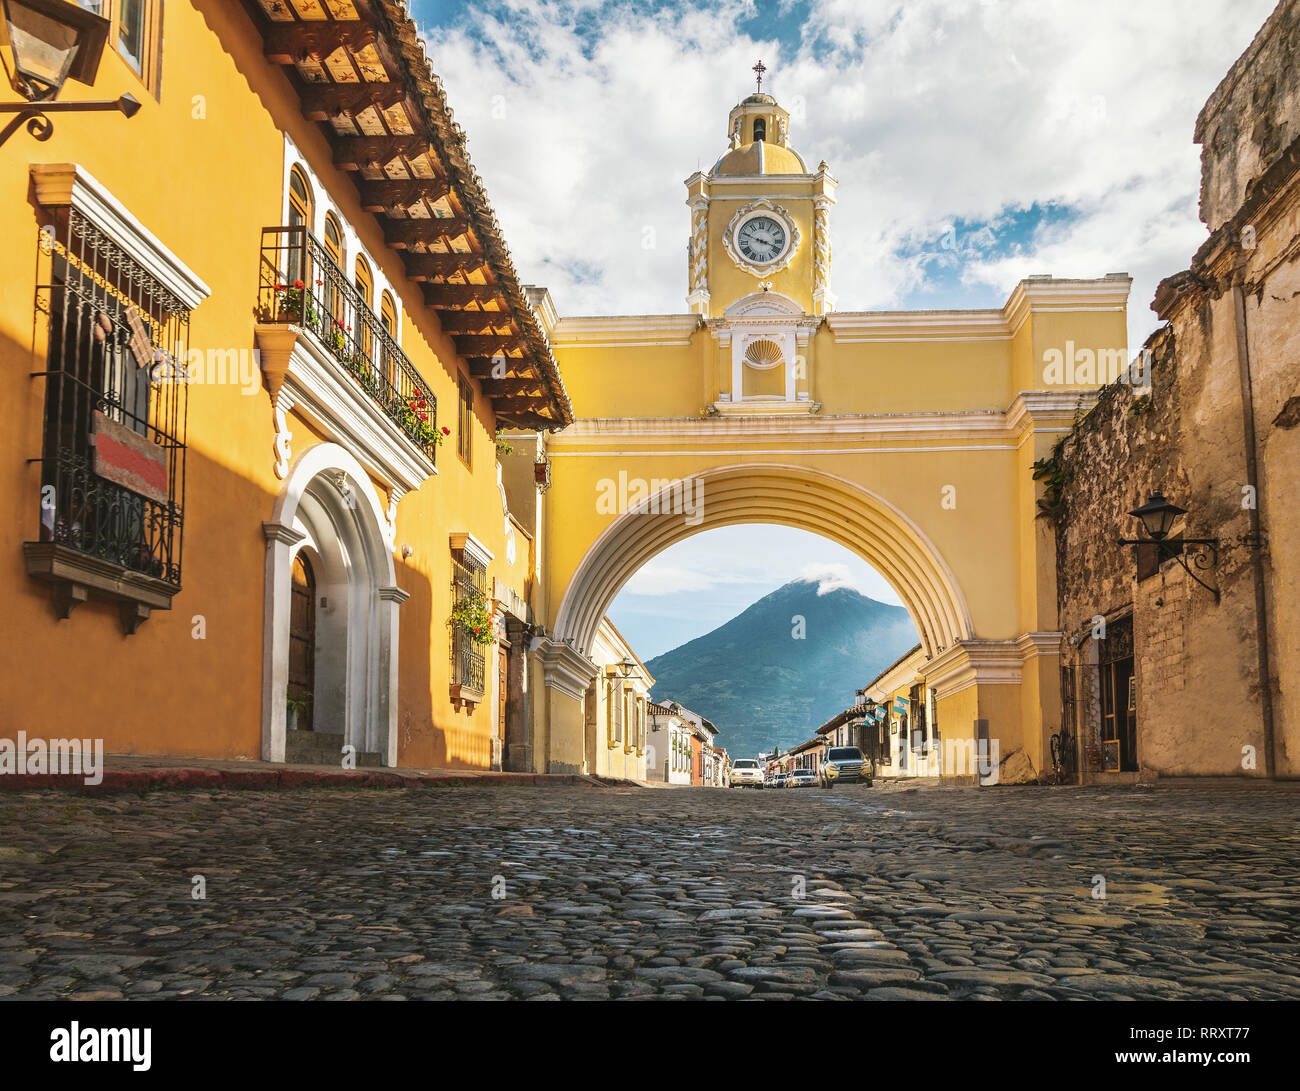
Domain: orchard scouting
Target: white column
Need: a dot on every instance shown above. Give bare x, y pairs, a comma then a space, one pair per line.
278, 594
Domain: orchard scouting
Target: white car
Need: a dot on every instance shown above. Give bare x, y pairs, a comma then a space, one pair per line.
802, 778
746, 773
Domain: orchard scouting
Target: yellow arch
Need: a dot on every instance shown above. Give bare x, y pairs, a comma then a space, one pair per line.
793, 496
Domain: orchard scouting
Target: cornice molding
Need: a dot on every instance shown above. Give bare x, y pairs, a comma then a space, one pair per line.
69, 184
466, 543
566, 669
975, 662
598, 331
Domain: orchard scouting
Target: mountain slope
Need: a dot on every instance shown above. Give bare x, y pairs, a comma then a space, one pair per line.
763, 685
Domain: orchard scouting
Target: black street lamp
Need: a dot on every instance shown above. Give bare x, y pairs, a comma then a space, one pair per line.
49, 42
1158, 516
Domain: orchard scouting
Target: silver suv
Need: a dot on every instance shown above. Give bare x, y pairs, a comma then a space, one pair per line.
844, 765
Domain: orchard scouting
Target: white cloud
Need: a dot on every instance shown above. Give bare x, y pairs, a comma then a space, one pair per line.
829, 577
584, 118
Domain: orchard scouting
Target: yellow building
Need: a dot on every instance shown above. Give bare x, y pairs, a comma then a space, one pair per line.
617, 709
244, 309
908, 437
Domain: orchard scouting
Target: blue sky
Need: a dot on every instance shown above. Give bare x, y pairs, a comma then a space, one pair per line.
976, 142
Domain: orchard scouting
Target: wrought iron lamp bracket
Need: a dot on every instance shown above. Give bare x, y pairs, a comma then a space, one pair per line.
1203, 552
33, 113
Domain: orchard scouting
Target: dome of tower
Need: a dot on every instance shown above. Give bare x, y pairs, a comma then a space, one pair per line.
760, 157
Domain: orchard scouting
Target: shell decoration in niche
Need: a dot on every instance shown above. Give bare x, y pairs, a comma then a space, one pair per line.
763, 354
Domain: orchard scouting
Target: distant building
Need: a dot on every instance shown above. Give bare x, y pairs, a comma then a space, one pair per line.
668, 745
617, 709
690, 756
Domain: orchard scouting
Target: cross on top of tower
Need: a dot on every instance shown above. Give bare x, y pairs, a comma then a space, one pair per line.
758, 71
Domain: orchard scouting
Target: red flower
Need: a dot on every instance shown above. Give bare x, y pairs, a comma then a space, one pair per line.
299, 285
279, 287
445, 430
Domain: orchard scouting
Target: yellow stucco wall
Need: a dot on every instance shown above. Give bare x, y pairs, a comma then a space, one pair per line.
205, 186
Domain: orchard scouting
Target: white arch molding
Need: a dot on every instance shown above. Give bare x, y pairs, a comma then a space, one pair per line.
793, 496
344, 528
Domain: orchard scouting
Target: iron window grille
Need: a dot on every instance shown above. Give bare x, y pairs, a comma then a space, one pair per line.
113, 449
329, 306
468, 664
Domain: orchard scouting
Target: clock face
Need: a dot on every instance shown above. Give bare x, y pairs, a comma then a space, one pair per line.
761, 239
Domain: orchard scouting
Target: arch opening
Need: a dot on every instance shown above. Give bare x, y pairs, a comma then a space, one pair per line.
793, 496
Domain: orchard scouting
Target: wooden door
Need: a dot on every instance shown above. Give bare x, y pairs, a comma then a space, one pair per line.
302, 639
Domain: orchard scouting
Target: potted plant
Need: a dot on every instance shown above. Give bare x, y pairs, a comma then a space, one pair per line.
294, 707
470, 614
414, 420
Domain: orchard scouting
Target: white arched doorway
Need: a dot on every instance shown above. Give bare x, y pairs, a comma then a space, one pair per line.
328, 511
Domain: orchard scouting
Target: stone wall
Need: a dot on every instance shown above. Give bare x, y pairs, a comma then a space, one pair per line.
1252, 116
1218, 433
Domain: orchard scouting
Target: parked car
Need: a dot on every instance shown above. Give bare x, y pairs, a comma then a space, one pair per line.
802, 778
778, 780
746, 773
844, 765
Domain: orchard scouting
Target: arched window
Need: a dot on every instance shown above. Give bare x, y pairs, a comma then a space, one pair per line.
333, 238
760, 129
365, 282
388, 323
301, 209
332, 274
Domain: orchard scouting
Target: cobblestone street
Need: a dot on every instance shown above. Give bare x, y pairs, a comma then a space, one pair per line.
907, 894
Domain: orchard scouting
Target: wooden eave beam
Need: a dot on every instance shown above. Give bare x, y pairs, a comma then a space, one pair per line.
477, 321
401, 234
379, 196
289, 43
504, 388
521, 404
487, 367
450, 297
323, 101
359, 152
429, 266
486, 344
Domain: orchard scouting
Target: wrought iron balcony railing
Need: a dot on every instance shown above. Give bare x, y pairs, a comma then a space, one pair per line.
300, 282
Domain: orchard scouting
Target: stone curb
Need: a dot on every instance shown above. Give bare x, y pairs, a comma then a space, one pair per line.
143, 780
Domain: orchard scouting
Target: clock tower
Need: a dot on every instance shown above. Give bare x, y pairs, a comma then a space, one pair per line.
759, 258
759, 217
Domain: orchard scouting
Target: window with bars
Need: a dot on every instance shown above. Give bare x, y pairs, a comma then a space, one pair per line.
113, 445
468, 663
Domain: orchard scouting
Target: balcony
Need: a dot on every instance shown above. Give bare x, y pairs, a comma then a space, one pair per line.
349, 357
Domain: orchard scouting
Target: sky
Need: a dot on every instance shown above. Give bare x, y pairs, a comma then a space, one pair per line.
976, 142
696, 585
